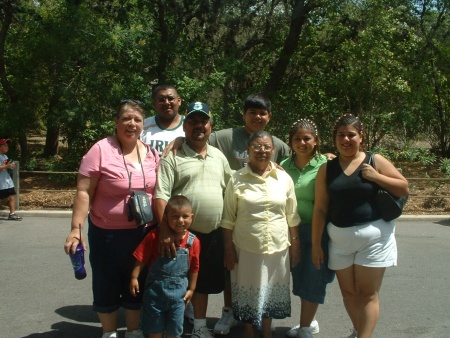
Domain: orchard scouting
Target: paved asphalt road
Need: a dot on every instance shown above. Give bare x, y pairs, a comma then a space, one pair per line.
41, 298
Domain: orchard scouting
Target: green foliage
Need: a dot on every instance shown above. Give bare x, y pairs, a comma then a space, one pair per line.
425, 157
445, 166
422, 155
69, 63
30, 164
390, 155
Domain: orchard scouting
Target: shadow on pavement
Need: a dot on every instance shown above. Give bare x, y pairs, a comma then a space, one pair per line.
84, 323
79, 313
238, 331
69, 330
444, 222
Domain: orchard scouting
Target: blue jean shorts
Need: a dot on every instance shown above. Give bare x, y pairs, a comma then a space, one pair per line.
308, 282
111, 258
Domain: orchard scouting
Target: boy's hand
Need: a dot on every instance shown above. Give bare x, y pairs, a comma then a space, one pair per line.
187, 297
9, 164
134, 287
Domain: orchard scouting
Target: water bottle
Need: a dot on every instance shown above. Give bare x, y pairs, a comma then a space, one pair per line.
77, 260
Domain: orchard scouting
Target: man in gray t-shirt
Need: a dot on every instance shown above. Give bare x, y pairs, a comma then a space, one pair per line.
233, 141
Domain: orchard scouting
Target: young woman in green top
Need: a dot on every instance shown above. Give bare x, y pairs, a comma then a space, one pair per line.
309, 283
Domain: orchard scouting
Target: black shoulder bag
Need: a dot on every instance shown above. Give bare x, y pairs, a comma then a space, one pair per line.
391, 206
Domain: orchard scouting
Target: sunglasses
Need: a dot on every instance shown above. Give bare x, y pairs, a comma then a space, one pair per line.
163, 99
132, 101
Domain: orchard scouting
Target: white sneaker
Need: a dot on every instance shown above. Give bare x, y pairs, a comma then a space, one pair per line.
314, 328
134, 334
225, 323
112, 334
354, 334
189, 313
304, 332
202, 332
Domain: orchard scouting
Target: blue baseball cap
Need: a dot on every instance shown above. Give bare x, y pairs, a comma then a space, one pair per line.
198, 107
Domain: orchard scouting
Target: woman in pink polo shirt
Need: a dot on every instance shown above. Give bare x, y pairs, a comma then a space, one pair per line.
108, 173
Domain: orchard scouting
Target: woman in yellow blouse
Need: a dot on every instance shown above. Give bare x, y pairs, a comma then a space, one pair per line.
260, 224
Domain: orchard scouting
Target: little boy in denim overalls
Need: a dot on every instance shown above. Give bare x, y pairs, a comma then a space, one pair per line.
170, 282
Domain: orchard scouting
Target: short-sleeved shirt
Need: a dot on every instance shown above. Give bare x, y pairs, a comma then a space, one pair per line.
232, 143
305, 182
259, 210
158, 137
6, 181
104, 161
202, 180
148, 251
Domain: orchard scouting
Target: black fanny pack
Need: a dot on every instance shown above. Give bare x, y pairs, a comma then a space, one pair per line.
140, 208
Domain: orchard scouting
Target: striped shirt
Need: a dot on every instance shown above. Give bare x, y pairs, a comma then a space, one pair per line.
202, 180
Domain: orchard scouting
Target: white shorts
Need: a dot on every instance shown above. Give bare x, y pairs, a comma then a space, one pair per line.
372, 244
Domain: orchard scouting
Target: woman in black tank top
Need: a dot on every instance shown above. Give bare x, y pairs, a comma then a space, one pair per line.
361, 244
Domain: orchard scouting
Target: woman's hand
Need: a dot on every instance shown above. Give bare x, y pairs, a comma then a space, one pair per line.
330, 156
369, 173
317, 256
386, 175
72, 241
294, 252
230, 258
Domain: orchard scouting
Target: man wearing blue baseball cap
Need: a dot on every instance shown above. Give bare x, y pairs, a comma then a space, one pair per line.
201, 172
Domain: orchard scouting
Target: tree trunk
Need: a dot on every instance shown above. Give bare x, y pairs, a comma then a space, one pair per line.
300, 13
53, 129
23, 142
